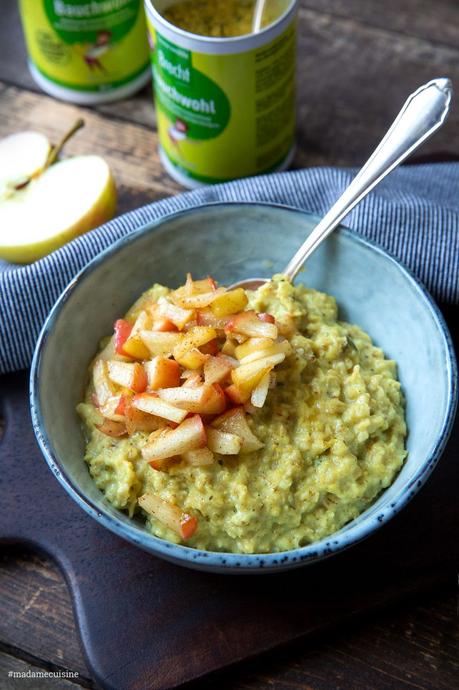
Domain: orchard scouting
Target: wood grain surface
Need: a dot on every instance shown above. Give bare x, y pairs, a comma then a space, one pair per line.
358, 59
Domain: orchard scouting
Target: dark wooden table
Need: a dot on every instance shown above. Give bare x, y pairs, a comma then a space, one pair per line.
358, 59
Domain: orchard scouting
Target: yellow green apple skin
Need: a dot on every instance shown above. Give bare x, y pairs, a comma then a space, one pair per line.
68, 199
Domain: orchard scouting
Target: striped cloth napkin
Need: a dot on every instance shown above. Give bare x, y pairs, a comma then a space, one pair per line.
414, 214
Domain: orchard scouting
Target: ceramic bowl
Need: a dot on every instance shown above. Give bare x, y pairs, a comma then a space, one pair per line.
231, 242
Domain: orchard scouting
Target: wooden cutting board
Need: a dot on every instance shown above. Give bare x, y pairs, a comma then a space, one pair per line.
149, 625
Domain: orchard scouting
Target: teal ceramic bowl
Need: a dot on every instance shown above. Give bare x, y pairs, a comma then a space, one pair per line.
231, 242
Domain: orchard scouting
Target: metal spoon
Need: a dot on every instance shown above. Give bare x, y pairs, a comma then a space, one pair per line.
258, 15
423, 113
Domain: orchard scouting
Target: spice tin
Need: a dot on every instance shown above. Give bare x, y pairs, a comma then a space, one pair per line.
86, 51
225, 106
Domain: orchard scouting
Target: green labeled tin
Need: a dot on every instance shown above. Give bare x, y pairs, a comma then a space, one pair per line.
225, 104
86, 51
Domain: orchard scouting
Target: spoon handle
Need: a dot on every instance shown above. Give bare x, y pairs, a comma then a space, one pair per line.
423, 113
258, 15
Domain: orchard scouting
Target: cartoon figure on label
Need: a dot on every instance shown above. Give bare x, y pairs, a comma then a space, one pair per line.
177, 132
95, 51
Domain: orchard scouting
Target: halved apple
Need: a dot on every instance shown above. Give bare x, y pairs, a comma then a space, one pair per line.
66, 200
22, 157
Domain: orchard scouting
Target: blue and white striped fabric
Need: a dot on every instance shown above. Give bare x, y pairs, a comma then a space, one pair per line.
414, 214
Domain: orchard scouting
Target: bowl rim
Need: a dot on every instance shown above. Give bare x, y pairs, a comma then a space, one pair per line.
239, 562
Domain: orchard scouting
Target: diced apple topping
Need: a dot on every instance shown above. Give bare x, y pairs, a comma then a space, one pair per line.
204, 362
169, 515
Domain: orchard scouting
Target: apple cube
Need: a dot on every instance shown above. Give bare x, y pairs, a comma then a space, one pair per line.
193, 359
112, 428
264, 316
136, 420
210, 348
178, 316
260, 392
206, 317
235, 422
103, 387
247, 323
122, 332
274, 349
236, 396
197, 301
191, 378
128, 375
161, 343
247, 376
154, 405
230, 302
167, 443
217, 369
223, 442
199, 457
252, 345
194, 338
162, 373
196, 287
203, 399
114, 408
229, 347
134, 345
169, 515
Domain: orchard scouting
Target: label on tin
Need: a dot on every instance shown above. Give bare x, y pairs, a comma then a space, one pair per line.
225, 116
86, 45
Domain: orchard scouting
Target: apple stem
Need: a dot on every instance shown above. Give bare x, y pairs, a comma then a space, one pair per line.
55, 150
